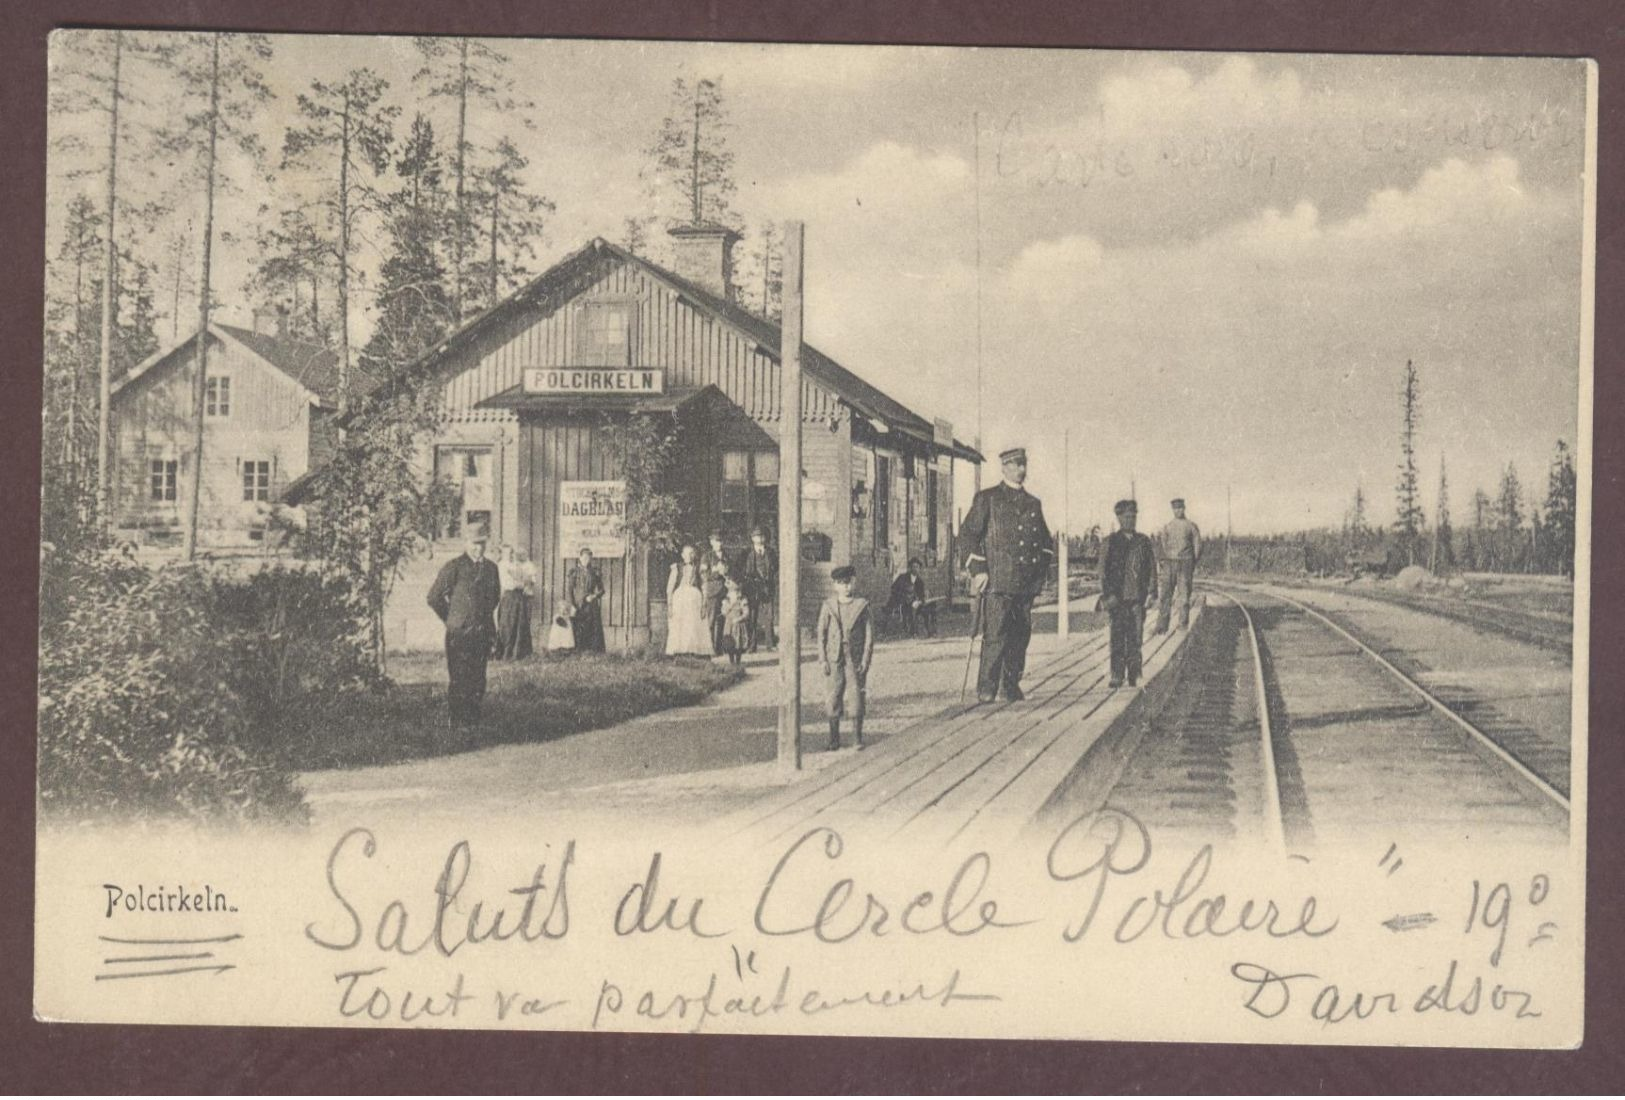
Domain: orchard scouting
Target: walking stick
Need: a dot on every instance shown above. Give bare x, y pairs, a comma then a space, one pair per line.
976, 624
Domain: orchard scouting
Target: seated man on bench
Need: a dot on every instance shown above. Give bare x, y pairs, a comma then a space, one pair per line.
909, 600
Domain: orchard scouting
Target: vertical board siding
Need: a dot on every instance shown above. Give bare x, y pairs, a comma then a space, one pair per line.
573, 450
695, 349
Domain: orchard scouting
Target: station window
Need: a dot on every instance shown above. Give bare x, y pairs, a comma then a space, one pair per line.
217, 396
604, 334
750, 495
257, 479
470, 473
163, 474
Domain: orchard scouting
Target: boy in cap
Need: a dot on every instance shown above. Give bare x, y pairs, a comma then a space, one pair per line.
1128, 581
1009, 554
1179, 546
846, 646
465, 597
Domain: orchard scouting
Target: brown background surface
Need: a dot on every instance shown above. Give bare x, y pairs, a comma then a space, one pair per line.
75, 1058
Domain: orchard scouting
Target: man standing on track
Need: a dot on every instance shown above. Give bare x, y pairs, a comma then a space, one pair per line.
1179, 547
1128, 581
1009, 553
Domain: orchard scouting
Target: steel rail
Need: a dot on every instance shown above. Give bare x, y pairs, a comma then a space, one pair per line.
1475, 734
1274, 825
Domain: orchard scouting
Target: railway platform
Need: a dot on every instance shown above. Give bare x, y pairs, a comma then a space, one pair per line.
987, 771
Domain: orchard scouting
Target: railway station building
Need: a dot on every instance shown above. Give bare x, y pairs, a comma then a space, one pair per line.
533, 385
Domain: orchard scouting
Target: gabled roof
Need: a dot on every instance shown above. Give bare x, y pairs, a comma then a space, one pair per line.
865, 398
313, 367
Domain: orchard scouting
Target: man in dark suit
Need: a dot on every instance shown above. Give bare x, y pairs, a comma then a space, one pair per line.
714, 571
1009, 554
465, 596
1128, 584
908, 598
760, 580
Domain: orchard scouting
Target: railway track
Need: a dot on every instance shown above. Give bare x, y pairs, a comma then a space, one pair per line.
1294, 730
1553, 633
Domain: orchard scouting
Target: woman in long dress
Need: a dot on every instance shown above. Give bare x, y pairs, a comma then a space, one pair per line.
518, 579
686, 631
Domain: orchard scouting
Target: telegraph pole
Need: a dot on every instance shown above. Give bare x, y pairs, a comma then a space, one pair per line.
1229, 531
1063, 613
789, 750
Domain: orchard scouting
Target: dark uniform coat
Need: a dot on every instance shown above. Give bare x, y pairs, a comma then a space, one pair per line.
1007, 538
1128, 578
465, 596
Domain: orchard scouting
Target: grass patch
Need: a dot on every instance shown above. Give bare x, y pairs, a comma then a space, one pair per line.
526, 702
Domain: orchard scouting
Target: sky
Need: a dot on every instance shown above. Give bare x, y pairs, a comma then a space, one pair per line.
1195, 274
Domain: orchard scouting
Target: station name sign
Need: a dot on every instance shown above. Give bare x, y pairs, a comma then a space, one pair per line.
628, 381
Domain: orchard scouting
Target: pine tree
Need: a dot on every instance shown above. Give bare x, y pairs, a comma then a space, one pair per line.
1444, 550
1509, 520
635, 235
1357, 529
1561, 506
91, 73
348, 128
223, 72
514, 220
79, 327
763, 285
474, 75
291, 271
1408, 507
414, 296
689, 169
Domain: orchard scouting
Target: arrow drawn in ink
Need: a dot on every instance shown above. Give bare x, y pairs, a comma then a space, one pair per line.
1408, 922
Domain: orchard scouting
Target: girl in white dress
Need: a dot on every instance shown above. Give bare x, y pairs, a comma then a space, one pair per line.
686, 631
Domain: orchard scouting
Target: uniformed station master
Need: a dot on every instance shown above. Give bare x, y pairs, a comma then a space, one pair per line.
1010, 550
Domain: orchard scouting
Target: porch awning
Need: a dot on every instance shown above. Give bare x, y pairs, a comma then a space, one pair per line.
517, 399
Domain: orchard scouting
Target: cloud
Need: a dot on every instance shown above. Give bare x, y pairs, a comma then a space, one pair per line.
755, 67
889, 267
1276, 341
1158, 99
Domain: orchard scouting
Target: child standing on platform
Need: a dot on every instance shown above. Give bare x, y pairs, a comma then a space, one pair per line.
735, 621
846, 646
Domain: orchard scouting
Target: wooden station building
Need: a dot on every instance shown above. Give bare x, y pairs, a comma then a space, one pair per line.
531, 385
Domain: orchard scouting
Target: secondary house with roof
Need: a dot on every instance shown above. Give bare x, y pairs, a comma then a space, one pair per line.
269, 400
531, 385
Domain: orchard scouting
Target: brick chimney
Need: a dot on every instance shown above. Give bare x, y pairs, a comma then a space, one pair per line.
703, 254
271, 320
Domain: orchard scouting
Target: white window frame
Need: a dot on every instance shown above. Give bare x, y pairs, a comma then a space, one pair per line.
587, 356
169, 469
217, 396
251, 492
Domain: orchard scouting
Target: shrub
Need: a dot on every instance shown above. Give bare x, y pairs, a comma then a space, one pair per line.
165, 692
299, 642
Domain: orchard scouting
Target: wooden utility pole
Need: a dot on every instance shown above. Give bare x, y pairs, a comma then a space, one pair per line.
104, 380
789, 751
1063, 583
1229, 531
200, 383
